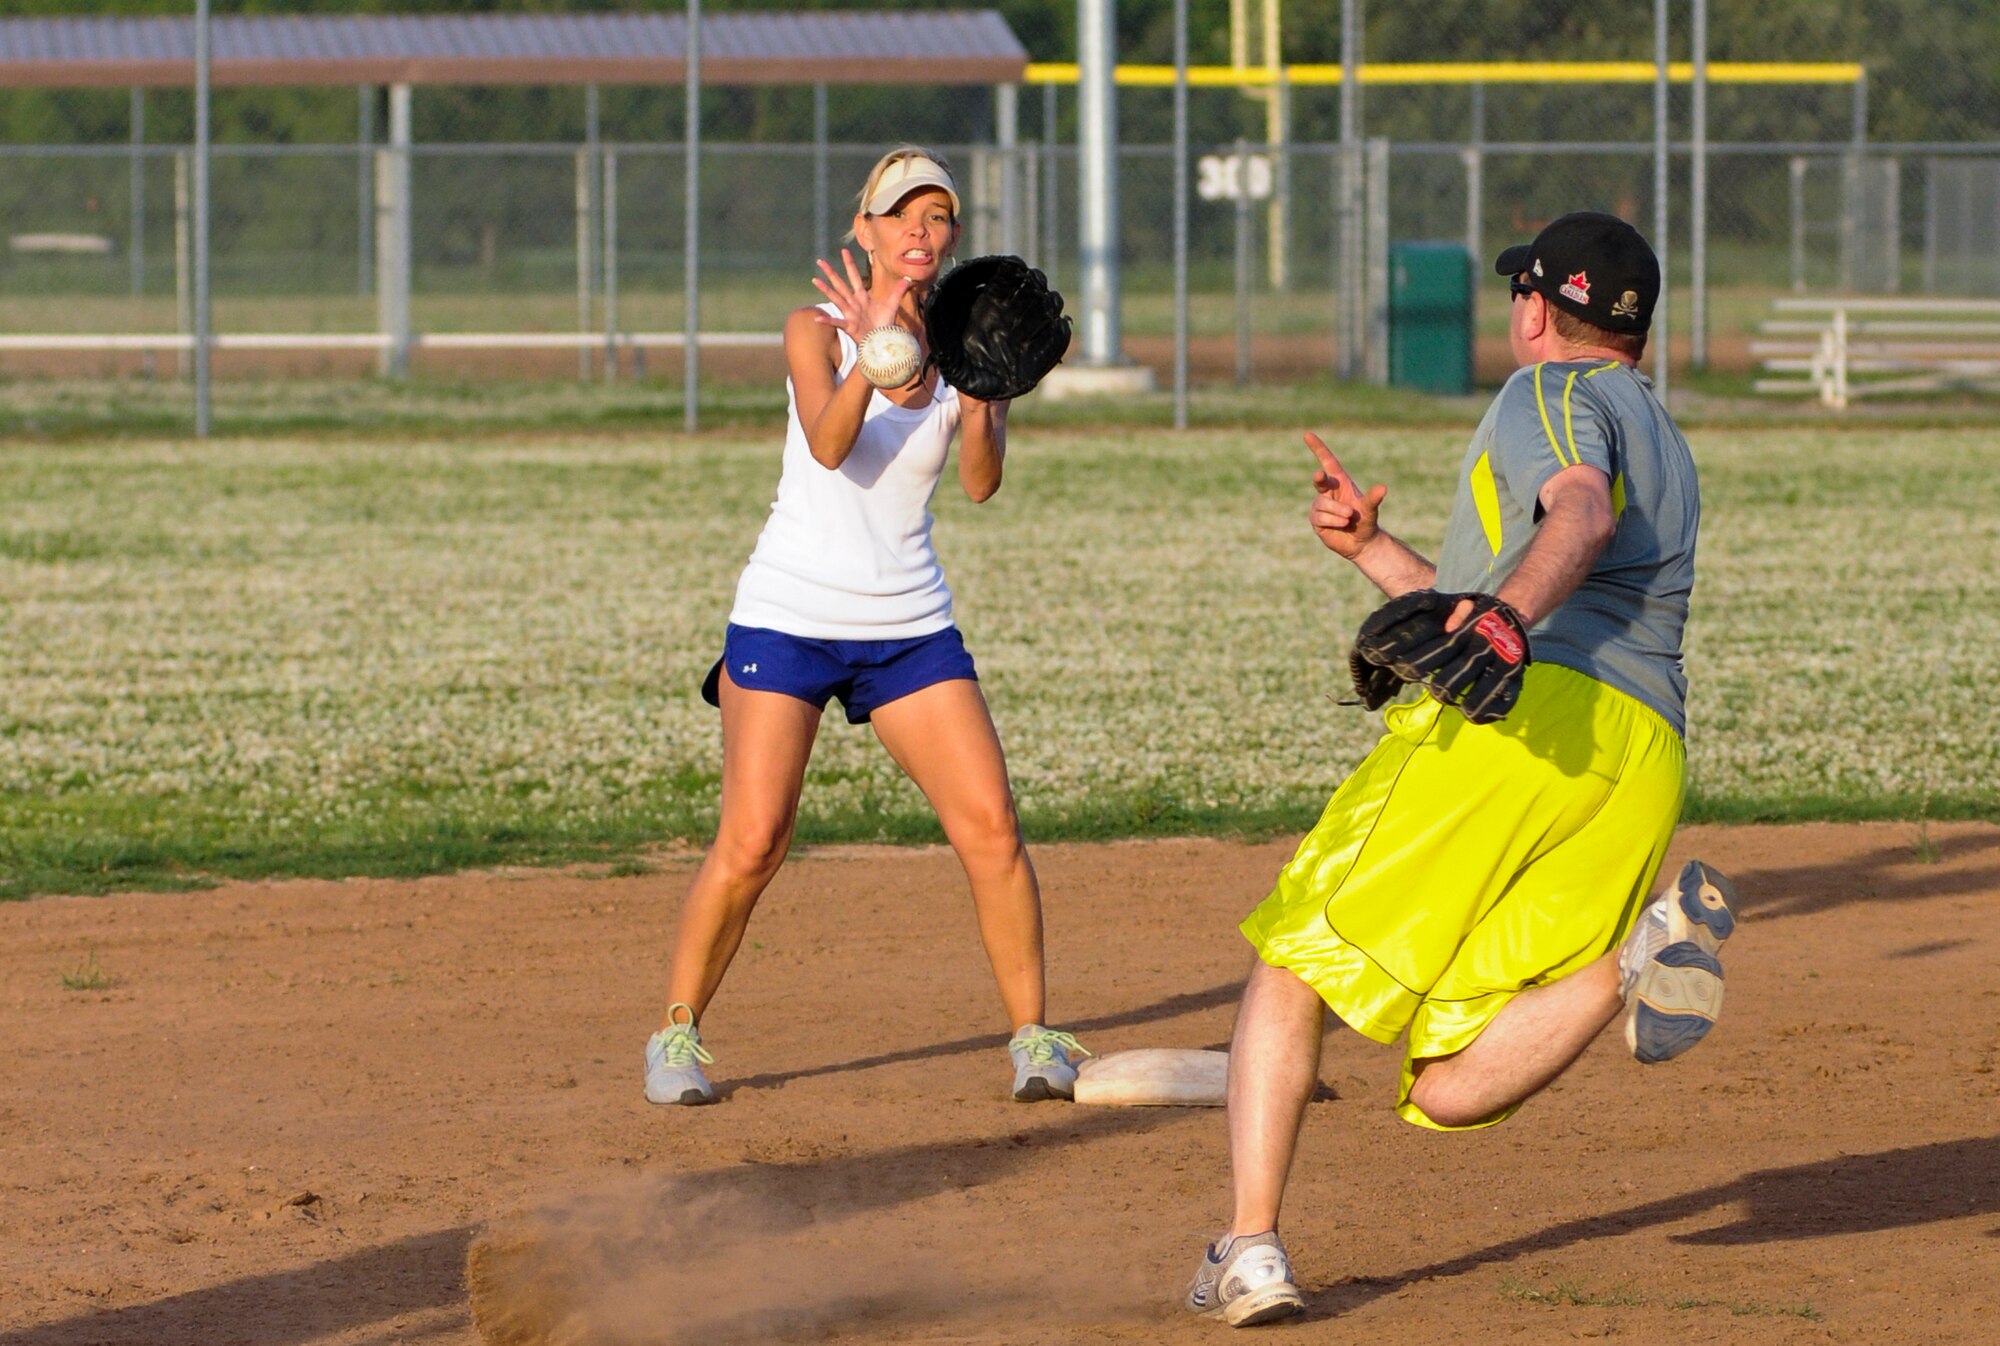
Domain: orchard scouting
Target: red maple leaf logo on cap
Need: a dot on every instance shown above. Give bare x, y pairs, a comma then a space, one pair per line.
1582, 281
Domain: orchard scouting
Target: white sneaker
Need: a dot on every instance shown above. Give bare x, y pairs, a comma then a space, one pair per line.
674, 1058
1044, 1063
1245, 1281
1667, 968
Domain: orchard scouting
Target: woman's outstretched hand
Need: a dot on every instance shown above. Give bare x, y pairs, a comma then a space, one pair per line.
860, 311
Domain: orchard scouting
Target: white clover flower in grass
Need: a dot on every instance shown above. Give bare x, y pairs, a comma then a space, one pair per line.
458, 632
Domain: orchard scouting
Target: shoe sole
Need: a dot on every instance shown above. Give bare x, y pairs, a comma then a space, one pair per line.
1267, 1304
1679, 993
1039, 1090
690, 1098
1675, 1003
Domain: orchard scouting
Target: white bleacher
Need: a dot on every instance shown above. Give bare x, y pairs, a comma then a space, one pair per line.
1857, 347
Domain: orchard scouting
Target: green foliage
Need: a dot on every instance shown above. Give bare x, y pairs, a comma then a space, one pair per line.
1934, 75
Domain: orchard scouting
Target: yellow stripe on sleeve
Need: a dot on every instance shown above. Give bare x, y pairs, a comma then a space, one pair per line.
1569, 429
1486, 500
1542, 405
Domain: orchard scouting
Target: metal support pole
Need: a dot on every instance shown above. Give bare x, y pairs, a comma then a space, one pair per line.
202, 57
1051, 200
1348, 264
364, 188
183, 259
1180, 214
1475, 178
1892, 227
1698, 196
610, 251
1097, 180
822, 199
1280, 136
1241, 181
393, 236
136, 247
1007, 137
1376, 267
586, 226
691, 320
1662, 356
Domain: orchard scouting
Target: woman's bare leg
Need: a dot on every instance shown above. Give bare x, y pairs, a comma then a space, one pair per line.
943, 736
767, 739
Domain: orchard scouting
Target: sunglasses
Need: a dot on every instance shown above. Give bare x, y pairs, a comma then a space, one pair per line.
1517, 288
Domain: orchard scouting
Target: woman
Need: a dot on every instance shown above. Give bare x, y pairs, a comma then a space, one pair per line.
844, 597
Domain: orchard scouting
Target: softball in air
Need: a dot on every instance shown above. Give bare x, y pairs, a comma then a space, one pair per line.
889, 357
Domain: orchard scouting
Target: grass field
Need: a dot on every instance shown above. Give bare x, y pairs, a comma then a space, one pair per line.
361, 652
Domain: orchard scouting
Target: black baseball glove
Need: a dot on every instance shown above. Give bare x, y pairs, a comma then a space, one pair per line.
996, 328
1476, 668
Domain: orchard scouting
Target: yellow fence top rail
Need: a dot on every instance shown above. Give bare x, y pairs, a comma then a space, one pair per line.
1471, 72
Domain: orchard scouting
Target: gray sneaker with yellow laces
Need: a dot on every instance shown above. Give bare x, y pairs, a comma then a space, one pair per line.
1045, 1063
674, 1058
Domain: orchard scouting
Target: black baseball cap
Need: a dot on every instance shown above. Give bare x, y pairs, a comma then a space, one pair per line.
1592, 265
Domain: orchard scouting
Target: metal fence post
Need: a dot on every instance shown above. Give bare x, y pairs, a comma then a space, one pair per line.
136, 245
586, 227
1180, 214
1051, 167
202, 57
1348, 250
1377, 269
1475, 175
1007, 134
822, 233
1240, 179
1280, 243
1097, 180
364, 188
1698, 196
1662, 352
610, 250
183, 261
691, 319
393, 237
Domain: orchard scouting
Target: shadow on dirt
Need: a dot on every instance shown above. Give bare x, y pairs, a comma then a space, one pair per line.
1887, 874
1854, 1194
284, 1308
1173, 1006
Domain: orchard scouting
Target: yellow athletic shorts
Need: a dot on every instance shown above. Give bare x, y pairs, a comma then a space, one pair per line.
1461, 864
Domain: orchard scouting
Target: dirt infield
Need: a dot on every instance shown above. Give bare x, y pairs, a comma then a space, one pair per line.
281, 1113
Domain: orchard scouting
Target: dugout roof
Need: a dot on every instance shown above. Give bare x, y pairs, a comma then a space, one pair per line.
841, 47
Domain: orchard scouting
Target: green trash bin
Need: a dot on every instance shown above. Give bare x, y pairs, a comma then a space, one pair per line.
1430, 317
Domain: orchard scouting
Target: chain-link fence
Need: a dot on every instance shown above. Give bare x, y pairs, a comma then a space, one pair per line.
558, 211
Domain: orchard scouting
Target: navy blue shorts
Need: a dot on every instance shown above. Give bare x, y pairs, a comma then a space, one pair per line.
864, 674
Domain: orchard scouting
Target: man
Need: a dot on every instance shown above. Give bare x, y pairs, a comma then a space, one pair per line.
1477, 883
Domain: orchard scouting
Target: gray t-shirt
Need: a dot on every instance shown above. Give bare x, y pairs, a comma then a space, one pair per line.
1623, 625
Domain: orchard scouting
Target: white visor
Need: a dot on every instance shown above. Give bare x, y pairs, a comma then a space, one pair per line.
904, 176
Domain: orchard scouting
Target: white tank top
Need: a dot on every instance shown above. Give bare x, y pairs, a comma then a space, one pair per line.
846, 553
